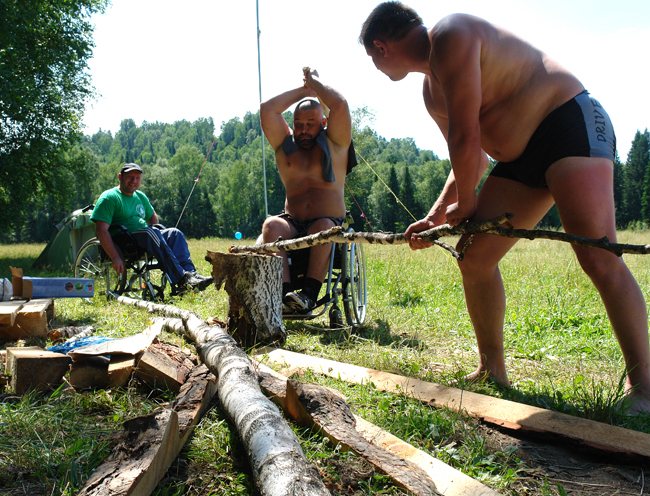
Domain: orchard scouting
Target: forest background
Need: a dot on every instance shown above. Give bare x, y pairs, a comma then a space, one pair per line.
217, 180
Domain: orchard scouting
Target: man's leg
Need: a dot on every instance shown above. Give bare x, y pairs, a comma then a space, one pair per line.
175, 239
151, 240
583, 191
274, 228
484, 291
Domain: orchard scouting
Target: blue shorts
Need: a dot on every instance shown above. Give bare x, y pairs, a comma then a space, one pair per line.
302, 227
577, 128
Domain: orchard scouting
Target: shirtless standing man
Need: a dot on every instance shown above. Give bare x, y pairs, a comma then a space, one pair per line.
491, 92
312, 162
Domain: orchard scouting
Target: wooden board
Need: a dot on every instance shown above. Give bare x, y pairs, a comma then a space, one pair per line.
24, 319
504, 413
9, 310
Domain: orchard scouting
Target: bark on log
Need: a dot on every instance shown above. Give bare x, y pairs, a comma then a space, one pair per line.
491, 226
317, 406
149, 444
279, 465
254, 286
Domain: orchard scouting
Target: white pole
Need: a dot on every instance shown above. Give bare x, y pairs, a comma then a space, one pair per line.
259, 71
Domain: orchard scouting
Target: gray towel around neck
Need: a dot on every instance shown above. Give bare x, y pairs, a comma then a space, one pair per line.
290, 146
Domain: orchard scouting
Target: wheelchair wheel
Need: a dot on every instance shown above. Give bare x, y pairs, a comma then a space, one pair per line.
154, 283
93, 263
355, 286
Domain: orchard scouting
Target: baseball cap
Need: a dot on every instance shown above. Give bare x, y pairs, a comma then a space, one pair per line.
130, 167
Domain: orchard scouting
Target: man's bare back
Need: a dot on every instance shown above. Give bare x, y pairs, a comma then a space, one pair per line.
519, 84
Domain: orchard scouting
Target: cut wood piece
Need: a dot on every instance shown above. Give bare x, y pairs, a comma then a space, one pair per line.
120, 369
37, 369
149, 444
504, 413
10, 354
316, 406
164, 365
8, 312
254, 286
90, 372
277, 461
30, 320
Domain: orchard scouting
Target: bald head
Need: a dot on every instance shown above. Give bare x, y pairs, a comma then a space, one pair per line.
308, 105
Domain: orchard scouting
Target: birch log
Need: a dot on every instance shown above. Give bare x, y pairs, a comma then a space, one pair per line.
491, 226
254, 286
278, 463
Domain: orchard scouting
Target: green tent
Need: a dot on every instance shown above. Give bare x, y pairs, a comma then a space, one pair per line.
71, 233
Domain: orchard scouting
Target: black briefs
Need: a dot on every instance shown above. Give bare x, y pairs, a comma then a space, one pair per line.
577, 128
302, 227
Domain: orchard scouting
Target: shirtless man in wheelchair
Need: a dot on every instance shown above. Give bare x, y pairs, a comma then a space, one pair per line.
125, 206
313, 161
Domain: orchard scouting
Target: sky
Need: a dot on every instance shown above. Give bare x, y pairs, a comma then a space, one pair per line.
165, 60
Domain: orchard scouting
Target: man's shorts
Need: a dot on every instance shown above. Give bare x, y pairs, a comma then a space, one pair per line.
302, 227
577, 128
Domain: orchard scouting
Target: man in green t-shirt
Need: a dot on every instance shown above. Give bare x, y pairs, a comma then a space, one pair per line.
125, 206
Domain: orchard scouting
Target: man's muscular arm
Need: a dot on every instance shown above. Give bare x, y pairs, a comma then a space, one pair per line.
339, 123
273, 124
455, 61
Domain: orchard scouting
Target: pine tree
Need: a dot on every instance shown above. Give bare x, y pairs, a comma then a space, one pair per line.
407, 197
634, 176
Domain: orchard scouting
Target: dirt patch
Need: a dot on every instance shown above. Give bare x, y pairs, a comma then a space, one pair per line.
577, 469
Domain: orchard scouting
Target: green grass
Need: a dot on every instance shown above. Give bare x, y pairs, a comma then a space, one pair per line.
560, 353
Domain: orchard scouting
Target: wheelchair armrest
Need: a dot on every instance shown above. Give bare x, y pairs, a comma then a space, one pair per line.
122, 228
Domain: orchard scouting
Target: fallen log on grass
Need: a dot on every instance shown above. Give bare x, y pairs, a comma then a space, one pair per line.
502, 413
278, 463
448, 481
490, 226
149, 444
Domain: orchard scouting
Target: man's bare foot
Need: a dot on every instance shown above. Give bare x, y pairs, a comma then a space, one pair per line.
480, 375
635, 403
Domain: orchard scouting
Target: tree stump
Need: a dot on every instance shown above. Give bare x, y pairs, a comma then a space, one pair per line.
254, 286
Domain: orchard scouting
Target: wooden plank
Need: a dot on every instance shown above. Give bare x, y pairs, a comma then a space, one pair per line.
36, 308
448, 480
504, 413
8, 312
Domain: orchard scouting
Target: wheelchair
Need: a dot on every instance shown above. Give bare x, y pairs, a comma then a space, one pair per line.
143, 275
345, 281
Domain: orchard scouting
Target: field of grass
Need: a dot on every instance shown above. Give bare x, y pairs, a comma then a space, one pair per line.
560, 352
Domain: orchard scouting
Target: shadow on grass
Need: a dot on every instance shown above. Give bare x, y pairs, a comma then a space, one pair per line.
379, 331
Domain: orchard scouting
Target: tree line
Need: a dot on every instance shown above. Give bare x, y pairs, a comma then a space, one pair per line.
212, 184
